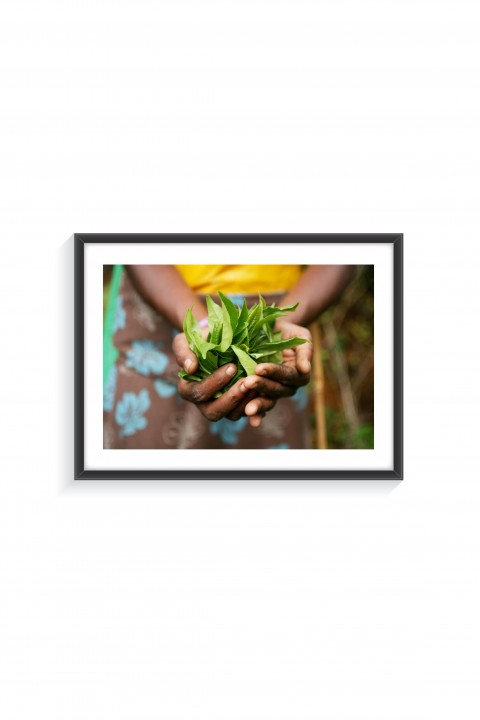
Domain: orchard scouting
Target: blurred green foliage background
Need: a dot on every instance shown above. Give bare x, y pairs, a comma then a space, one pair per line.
347, 333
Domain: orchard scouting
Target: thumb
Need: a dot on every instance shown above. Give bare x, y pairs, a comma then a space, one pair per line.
184, 356
304, 357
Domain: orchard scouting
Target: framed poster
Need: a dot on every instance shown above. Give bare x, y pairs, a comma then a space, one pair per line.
238, 356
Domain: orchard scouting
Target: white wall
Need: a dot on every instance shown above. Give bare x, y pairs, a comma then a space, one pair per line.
211, 600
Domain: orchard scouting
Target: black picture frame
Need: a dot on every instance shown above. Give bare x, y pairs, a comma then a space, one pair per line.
81, 239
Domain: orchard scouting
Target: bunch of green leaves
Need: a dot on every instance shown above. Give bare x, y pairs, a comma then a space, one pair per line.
237, 334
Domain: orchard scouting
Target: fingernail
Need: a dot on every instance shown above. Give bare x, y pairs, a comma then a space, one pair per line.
307, 366
187, 364
230, 370
250, 382
252, 409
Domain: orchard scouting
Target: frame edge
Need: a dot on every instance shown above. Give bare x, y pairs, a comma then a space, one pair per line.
398, 356
79, 350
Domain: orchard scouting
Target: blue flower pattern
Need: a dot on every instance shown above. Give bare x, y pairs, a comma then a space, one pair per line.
130, 412
145, 357
109, 390
164, 389
120, 317
301, 398
228, 429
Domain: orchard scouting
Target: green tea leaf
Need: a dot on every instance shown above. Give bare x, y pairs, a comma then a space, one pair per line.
290, 308
212, 358
215, 318
188, 328
255, 313
269, 319
271, 347
227, 329
243, 317
274, 308
227, 336
216, 335
227, 355
201, 345
276, 358
246, 361
206, 365
240, 335
231, 310
191, 378
268, 332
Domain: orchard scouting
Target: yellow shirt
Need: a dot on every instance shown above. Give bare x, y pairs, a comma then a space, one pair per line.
242, 279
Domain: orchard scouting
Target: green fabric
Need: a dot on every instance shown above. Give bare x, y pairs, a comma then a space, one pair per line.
110, 352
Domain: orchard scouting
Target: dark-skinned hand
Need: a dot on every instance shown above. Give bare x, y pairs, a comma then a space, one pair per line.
272, 381
252, 396
231, 404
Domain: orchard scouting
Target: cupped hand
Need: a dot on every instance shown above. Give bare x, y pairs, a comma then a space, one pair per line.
273, 381
231, 404
185, 357
254, 395
299, 357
